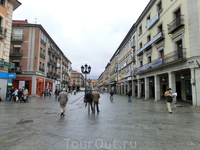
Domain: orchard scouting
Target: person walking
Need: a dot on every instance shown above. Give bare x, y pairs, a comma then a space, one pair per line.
111, 95
15, 93
25, 93
169, 99
129, 95
56, 94
11, 94
88, 97
20, 95
95, 98
63, 99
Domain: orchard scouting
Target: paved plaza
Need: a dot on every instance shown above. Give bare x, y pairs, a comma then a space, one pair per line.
120, 125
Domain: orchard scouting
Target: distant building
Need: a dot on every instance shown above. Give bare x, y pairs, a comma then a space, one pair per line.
77, 80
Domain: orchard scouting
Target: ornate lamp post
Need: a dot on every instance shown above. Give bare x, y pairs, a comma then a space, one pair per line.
85, 70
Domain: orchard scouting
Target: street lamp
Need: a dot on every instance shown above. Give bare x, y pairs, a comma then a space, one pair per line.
85, 70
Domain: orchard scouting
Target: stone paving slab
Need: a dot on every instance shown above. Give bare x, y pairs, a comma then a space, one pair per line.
139, 125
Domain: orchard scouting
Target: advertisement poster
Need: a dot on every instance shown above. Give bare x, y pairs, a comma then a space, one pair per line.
21, 84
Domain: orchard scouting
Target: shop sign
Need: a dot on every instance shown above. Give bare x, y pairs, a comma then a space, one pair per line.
7, 64
151, 22
7, 75
149, 43
32, 72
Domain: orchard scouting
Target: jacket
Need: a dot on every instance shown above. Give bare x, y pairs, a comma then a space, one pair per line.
95, 96
63, 97
88, 97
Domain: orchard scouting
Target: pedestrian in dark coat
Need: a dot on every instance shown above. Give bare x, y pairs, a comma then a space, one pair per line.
88, 97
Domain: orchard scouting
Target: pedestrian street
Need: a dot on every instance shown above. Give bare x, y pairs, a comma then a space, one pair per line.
120, 125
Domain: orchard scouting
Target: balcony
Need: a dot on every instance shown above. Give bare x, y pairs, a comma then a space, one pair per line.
133, 44
3, 32
49, 74
17, 38
41, 69
42, 56
17, 70
147, 46
50, 49
176, 24
43, 42
52, 62
16, 53
171, 58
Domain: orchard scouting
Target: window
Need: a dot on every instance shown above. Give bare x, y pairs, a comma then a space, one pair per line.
159, 6
160, 28
148, 38
149, 59
148, 19
140, 30
141, 63
161, 54
2, 2
18, 31
141, 45
1, 20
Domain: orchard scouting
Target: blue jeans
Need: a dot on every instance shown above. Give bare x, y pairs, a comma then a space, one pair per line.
111, 97
129, 99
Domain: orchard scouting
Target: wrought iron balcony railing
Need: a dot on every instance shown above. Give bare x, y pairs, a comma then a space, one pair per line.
15, 69
176, 24
17, 37
173, 57
14, 53
42, 55
41, 69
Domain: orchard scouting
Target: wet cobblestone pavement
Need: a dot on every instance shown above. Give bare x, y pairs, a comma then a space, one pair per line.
120, 125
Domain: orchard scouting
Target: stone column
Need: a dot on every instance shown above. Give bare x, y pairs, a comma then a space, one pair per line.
146, 88
172, 83
194, 95
133, 88
139, 88
157, 87
125, 89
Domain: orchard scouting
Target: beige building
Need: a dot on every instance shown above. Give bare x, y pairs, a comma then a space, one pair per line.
104, 79
77, 80
164, 46
6, 10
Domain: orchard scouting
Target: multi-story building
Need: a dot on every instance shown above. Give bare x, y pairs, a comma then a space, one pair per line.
77, 80
92, 83
6, 10
39, 63
104, 79
166, 51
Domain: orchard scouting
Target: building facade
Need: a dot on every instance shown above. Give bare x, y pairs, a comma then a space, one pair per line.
164, 46
77, 81
39, 63
6, 10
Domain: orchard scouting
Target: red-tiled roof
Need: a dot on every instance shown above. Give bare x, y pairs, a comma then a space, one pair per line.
20, 21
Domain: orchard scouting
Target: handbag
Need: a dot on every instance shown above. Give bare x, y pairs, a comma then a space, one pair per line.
169, 99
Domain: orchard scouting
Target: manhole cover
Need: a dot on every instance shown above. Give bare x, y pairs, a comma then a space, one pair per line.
25, 121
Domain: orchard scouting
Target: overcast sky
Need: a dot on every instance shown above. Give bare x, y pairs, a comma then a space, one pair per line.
87, 31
